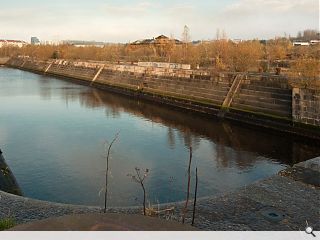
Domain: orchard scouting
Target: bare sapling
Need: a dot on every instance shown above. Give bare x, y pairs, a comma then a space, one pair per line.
195, 198
188, 187
139, 178
108, 149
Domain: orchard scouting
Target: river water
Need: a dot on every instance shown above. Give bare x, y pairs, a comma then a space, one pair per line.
53, 134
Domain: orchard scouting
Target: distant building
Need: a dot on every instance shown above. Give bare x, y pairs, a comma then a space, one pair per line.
35, 41
78, 43
12, 43
51, 42
300, 43
314, 42
237, 40
197, 42
160, 40
160, 45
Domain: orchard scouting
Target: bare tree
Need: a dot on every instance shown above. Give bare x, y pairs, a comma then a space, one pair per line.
224, 35
218, 34
186, 34
245, 56
195, 198
188, 187
107, 171
139, 178
185, 39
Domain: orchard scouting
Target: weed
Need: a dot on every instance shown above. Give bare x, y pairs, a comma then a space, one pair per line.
6, 223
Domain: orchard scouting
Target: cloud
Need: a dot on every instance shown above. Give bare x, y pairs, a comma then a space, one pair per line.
244, 7
183, 8
130, 20
128, 10
268, 18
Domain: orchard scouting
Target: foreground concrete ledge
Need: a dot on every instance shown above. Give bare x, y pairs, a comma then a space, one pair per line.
104, 222
307, 172
313, 164
279, 203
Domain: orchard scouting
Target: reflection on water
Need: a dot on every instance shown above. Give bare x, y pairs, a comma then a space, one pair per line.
53, 133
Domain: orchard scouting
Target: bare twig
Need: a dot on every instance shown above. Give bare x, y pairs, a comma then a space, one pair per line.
150, 211
188, 187
195, 198
107, 171
140, 179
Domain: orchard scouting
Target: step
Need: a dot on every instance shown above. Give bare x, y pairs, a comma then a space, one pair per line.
265, 89
264, 99
267, 106
266, 94
261, 110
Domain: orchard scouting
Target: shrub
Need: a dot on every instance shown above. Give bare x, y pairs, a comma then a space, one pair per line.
6, 223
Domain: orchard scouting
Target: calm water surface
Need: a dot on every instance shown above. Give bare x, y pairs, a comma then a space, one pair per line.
52, 133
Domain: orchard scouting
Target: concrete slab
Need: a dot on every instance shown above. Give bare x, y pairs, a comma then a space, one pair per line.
307, 172
104, 222
283, 202
312, 164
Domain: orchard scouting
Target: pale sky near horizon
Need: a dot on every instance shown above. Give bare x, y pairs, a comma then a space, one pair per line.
129, 20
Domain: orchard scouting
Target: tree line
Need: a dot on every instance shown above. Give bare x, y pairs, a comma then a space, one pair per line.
218, 55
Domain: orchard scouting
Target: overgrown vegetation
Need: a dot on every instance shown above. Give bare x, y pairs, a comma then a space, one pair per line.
305, 72
220, 54
6, 223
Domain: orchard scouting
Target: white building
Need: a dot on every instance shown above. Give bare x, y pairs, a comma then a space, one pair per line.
314, 42
12, 43
298, 43
78, 43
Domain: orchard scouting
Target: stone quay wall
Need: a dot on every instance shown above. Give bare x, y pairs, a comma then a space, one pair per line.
4, 60
261, 99
306, 106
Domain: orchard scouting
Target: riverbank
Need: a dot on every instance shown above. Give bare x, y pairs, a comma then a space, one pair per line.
259, 99
283, 202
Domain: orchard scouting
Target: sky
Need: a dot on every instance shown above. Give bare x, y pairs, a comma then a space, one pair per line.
129, 20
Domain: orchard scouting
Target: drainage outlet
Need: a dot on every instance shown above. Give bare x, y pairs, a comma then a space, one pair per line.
273, 215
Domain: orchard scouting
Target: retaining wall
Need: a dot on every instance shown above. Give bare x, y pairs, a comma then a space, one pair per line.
4, 60
306, 106
261, 99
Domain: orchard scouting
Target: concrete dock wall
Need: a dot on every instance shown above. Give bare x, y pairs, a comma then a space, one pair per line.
261, 99
4, 60
306, 106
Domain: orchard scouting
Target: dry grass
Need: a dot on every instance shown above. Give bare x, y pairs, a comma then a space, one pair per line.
153, 212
